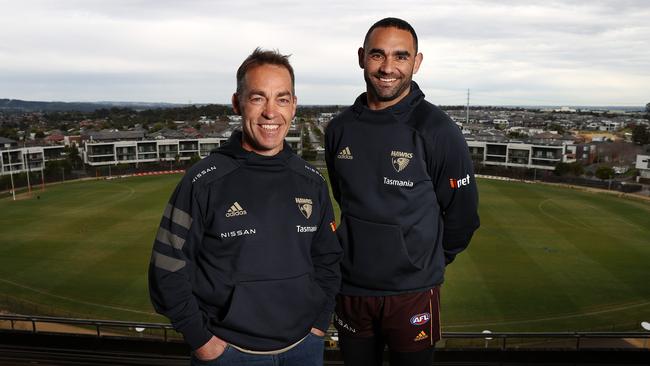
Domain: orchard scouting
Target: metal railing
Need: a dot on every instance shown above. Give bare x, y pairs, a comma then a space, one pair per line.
575, 339
94, 323
506, 340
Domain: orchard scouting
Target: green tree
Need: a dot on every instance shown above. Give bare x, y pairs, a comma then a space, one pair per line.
604, 172
574, 168
10, 133
194, 159
73, 156
640, 135
557, 127
58, 168
516, 135
561, 169
157, 127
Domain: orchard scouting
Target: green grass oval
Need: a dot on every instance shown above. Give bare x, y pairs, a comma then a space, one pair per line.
546, 258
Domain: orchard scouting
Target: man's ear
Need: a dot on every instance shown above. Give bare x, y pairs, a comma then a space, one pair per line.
418, 62
295, 106
235, 104
361, 54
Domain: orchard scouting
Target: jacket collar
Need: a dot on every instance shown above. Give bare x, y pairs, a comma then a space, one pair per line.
233, 148
400, 110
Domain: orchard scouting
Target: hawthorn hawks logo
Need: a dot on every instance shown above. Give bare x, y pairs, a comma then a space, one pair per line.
305, 206
400, 159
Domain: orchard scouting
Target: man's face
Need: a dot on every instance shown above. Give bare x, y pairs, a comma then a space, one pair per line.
267, 107
389, 62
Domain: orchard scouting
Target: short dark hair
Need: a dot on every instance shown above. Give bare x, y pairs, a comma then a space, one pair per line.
393, 23
261, 57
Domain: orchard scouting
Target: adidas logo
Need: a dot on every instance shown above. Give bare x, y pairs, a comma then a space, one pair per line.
235, 210
421, 336
345, 154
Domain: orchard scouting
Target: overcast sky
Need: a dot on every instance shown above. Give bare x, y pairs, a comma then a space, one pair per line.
506, 52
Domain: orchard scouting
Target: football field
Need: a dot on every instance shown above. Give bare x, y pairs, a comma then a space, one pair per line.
546, 258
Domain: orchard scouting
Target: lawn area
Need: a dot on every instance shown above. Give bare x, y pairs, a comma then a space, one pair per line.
545, 257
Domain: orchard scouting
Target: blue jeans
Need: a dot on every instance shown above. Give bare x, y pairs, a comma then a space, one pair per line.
309, 352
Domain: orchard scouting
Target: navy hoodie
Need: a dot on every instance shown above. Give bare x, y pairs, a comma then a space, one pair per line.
404, 180
246, 250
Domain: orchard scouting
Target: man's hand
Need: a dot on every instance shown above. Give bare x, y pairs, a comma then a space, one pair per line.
211, 350
318, 332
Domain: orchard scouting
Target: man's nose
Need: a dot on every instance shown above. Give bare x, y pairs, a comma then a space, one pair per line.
387, 66
269, 109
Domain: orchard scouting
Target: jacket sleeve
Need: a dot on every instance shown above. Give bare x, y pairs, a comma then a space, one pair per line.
455, 186
326, 254
330, 154
172, 262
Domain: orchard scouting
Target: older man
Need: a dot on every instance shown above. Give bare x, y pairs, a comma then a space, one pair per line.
246, 262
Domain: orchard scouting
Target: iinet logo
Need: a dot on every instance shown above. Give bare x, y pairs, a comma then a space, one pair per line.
457, 183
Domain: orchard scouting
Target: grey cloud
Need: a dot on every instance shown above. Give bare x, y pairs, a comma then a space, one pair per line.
175, 51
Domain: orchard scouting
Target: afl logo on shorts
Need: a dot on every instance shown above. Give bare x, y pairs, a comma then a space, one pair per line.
420, 319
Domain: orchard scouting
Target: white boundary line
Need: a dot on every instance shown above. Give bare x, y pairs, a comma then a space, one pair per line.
39, 291
560, 317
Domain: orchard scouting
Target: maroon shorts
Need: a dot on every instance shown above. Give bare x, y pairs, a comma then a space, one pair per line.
406, 322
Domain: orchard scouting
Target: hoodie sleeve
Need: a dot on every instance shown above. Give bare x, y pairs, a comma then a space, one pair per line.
452, 173
330, 152
326, 254
172, 262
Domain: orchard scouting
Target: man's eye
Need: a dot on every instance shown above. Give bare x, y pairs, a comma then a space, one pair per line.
284, 101
376, 56
402, 57
257, 100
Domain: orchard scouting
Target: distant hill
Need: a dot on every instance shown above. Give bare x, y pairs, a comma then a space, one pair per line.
17, 105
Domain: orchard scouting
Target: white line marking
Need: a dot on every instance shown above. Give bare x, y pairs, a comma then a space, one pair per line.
560, 317
39, 291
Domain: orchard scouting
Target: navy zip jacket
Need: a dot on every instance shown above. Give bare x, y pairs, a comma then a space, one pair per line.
405, 183
246, 250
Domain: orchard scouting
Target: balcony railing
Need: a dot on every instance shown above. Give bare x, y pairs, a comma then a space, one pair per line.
572, 341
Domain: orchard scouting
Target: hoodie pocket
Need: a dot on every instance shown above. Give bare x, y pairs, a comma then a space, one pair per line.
283, 309
377, 257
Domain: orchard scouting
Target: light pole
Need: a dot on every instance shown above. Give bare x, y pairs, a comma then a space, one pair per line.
29, 185
609, 188
11, 174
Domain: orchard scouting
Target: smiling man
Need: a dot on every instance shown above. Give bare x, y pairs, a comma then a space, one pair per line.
266, 105
246, 262
401, 172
